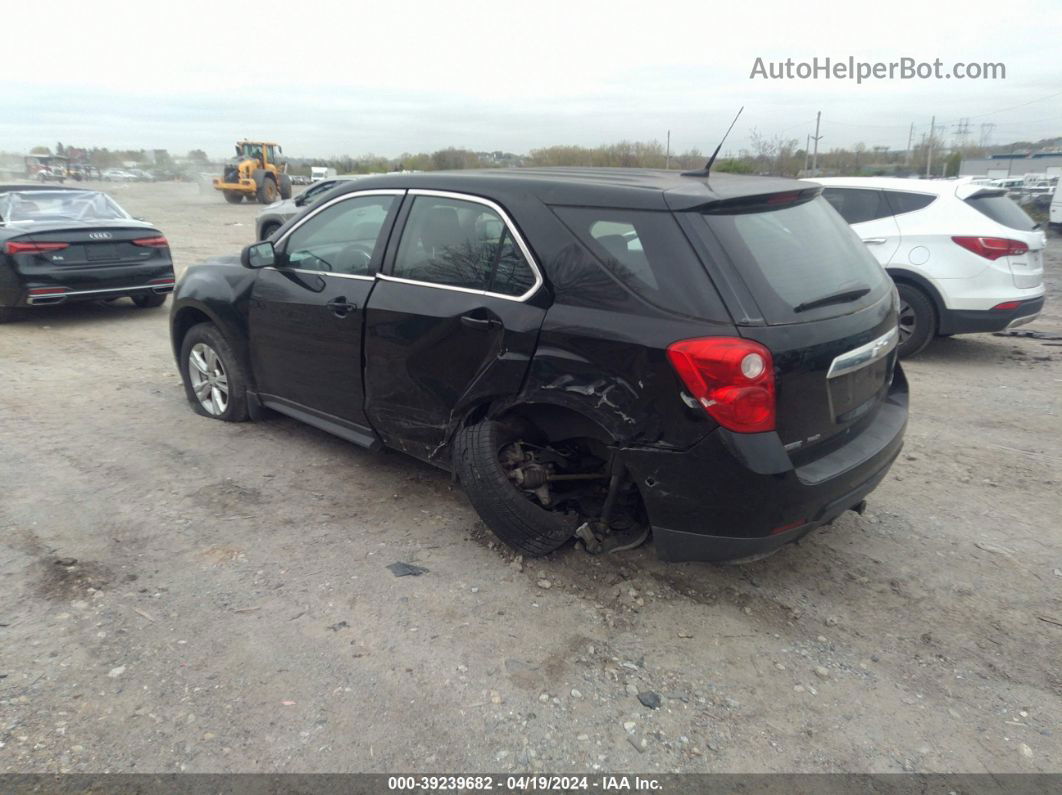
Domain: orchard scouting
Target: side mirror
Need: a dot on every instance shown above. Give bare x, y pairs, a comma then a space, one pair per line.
259, 255
300, 200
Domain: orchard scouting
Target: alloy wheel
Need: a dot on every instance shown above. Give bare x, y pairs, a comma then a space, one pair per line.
209, 380
908, 321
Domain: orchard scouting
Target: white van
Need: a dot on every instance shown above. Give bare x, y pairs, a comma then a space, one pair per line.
1055, 217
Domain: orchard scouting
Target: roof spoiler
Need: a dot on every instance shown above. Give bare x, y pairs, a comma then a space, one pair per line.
968, 190
760, 203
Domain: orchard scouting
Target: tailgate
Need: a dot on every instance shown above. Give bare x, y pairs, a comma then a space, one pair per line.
831, 375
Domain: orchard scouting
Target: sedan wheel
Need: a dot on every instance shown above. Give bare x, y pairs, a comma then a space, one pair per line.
208, 379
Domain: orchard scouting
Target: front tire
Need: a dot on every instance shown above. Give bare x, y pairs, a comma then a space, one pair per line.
267, 191
268, 230
285, 186
520, 523
233, 196
215, 380
149, 301
918, 320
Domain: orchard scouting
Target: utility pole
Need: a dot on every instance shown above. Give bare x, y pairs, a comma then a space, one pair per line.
807, 153
815, 156
910, 138
929, 152
667, 159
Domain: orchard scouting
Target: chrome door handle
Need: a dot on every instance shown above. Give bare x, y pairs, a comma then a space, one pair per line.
875, 241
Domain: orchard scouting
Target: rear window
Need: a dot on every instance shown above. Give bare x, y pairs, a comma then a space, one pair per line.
858, 205
904, 202
795, 255
1002, 210
648, 253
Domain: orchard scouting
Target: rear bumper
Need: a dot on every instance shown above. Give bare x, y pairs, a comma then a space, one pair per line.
736, 495
971, 321
67, 285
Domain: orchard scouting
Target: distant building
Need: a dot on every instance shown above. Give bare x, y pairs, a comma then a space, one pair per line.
1016, 164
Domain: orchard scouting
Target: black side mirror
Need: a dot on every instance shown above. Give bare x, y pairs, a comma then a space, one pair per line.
300, 200
259, 255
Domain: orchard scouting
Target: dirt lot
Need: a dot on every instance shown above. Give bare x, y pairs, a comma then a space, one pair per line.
230, 608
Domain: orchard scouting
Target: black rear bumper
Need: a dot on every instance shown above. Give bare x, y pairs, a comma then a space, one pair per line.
972, 321
61, 286
735, 495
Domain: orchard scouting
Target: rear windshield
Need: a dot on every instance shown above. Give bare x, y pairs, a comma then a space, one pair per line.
1002, 210
42, 207
795, 255
648, 253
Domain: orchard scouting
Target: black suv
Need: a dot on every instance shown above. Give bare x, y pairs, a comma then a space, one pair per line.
593, 353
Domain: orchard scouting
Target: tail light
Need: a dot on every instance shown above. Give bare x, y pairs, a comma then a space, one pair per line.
13, 247
992, 247
151, 242
732, 378
1007, 305
35, 291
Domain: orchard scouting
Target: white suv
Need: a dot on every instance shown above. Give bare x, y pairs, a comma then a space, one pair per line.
964, 257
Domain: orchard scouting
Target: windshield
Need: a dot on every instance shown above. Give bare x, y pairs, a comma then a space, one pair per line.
794, 257
43, 207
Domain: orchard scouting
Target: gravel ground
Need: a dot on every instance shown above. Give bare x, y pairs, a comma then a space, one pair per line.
185, 595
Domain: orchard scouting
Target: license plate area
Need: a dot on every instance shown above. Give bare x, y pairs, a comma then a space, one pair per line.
101, 252
859, 377
855, 392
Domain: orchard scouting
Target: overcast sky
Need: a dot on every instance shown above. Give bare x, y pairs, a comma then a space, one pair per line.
353, 77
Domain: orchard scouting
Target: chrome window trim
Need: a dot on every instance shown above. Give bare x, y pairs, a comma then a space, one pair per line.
509, 225
346, 196
320, 273
864, 355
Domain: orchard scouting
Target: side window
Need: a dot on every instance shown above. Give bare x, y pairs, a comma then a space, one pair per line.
341, 238
857, 205
903, 202
461, 244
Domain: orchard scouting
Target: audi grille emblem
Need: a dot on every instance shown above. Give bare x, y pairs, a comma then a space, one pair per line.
99, 235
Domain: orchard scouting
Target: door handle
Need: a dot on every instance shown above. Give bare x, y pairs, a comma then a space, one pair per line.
480, 323
875, 241
341, 307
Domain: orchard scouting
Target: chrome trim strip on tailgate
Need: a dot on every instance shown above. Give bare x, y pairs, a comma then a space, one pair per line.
864, 354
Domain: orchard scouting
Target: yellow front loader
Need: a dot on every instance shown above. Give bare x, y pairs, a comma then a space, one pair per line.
258, 172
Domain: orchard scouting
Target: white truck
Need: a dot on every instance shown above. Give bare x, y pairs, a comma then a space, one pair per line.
1055, 214
317, 173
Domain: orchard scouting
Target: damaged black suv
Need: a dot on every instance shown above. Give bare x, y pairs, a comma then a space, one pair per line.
593, 353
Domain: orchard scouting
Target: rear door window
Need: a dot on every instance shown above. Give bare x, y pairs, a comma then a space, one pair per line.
790, 255
465, 244
858, 205
647, 252
1002, 210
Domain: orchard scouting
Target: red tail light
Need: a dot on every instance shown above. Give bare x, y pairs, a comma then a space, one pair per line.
732, 378
13, 247
1008, 305
151, 242
165, 280
992, 247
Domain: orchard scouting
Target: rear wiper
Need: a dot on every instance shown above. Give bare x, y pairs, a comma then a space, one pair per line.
842, 297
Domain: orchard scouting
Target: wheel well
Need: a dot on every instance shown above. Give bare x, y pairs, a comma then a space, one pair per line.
912, 280
558, 423
186, 318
